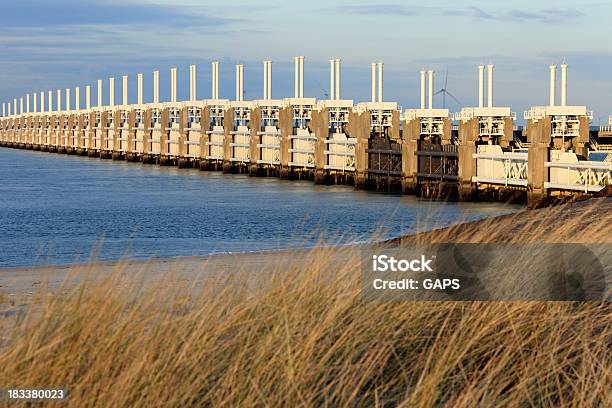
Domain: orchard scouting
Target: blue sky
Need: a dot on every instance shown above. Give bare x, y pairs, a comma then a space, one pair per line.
63, 43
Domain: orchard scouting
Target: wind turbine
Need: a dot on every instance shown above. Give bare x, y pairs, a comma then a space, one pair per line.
445, 92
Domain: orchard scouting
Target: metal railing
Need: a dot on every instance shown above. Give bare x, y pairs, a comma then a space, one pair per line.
504, 168
583, 175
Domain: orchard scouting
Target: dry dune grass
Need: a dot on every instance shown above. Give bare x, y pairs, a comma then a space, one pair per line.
300, 335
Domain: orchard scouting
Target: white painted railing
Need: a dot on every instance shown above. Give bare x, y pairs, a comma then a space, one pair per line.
579, 175
494, 166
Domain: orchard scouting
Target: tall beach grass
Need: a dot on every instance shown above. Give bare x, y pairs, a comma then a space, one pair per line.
299, 334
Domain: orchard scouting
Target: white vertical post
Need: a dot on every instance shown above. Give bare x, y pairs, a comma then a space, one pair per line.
242, 82
50, 101
155, 86
301, 77
173, 85
21, 105
332, 82
430, 73
269, 79
373, 82
296, 80
490, 86
215, 84
193, 95
337, 78
67, 99
99, 93
265, 79
88, 97
481, 86
553, 85
15, 111
237, 82
423, 90
27, 103
380, 82
124, 89
35, 97
3, 109
42, 102
563, 84
59, 100
77, 98
111, 91
140, 79
212, 84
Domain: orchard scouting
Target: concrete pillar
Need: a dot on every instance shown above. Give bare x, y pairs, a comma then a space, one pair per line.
412, 129
164, 134
286, 129
254, 127
89, 132
79, 126
205, 126
394, 130
146, 148
103, 118
538, 135
182, 133
70, 121
508, 136
228, 126
116, 133
131, 149
468, 135
359, 127
320, 127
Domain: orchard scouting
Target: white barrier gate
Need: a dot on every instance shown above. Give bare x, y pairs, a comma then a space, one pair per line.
566, 172
494, 166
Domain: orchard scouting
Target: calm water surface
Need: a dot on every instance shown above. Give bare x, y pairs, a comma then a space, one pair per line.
57, 209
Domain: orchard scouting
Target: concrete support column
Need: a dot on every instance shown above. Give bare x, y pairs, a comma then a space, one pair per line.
228, 126
320, 127
131, 149
61, 143
359, 126
146, 143
538, 134
116, 134
412, 129
205, 127
103, 119
583, 142
468, 134
71, 125
90, 132
508, 136
286, 129
164, 137
254, 127
183, 128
